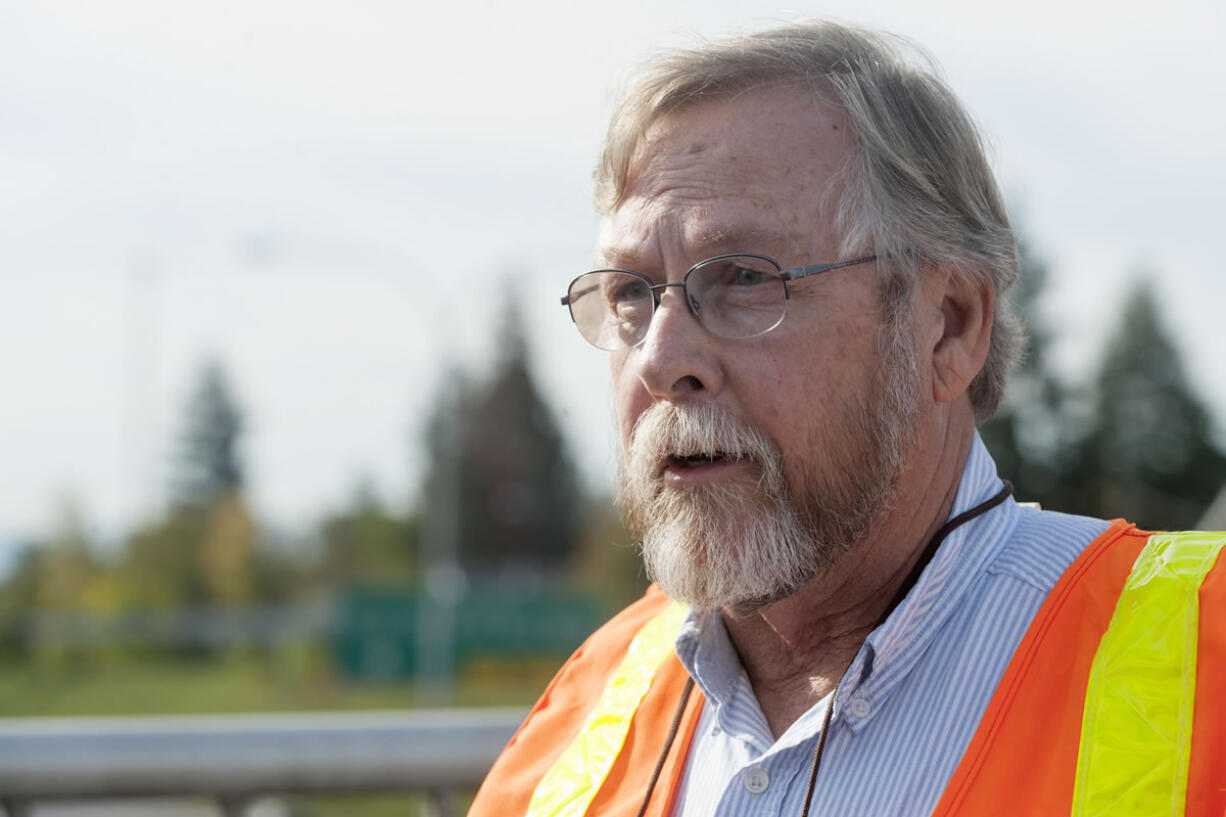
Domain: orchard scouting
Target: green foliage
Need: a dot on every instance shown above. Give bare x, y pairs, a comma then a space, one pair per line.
502, 482
368, 544
1150, 455
294, 677
68, 565
208, 465
204, 551
1035, 435
1138, 443
609, 565
68, 606
194, 555
18, 598
52, 578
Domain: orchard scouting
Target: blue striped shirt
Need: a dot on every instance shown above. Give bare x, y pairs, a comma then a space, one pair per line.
910, 701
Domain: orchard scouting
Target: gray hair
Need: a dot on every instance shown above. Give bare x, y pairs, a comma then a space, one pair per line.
919, 191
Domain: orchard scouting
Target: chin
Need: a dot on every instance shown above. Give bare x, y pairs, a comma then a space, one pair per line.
726, 548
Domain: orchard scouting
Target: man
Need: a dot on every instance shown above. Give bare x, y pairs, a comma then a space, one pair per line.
804, 266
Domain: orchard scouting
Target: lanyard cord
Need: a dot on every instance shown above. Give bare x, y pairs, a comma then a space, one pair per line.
926, 556
668, 743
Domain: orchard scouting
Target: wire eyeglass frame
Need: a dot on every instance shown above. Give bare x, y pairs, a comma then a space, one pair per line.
592, 333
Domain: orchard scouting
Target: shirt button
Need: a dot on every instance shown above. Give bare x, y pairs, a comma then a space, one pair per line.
756, 780
861, 708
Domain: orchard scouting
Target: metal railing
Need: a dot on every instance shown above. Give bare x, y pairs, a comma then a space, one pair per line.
236, 758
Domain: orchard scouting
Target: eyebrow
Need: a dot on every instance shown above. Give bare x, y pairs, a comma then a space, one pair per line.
738, 239
714, 241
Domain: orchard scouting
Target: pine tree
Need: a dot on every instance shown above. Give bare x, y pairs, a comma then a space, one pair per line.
1137, 443
1034, 435
1150, 455
501, 469
209, 465
202, 552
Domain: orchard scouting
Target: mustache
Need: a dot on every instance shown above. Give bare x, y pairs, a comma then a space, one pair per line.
667, 430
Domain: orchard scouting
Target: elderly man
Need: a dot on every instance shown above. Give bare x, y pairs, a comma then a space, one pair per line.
804, 265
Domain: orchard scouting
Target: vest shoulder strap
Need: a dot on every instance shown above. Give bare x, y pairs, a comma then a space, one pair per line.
1094, 714
573, 780
562, 714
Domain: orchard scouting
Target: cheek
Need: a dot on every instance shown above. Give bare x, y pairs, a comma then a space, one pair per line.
801, 400
776, 391
629, 398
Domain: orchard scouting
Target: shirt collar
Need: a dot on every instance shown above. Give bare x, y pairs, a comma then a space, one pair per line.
892, 650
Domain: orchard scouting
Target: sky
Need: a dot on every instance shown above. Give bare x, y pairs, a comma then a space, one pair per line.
334, 199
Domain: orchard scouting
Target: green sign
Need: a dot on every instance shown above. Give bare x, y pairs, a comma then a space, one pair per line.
378, 629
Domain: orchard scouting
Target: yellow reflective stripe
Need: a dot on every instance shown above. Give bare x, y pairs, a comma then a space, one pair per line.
1136, 730
568, 787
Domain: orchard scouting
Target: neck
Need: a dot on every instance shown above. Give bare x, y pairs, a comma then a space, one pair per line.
796, 651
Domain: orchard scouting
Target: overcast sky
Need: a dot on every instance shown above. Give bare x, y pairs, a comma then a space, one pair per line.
329, 198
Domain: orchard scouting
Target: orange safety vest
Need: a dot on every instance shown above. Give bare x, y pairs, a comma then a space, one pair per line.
1114, 703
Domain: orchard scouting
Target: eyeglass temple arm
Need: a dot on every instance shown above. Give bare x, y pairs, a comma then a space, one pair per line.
817, 269
567, 299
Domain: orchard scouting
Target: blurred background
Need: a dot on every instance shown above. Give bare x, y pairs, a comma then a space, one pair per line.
292, 418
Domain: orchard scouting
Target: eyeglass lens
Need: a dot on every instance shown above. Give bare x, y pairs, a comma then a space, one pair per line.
733, 297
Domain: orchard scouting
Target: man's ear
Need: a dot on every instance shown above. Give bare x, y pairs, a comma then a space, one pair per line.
966, 307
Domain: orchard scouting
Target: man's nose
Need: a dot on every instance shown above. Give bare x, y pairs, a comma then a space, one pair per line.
678, 359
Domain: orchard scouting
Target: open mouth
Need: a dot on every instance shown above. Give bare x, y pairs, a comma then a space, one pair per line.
689, 461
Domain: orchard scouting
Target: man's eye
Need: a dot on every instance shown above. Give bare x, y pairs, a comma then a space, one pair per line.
628, 291
744, 276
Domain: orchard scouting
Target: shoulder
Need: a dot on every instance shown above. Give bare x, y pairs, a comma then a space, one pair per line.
582, 676
576, 687
603, 650
622, 628
560, 713
1043, 545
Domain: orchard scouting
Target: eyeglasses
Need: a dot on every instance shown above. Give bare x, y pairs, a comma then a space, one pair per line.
732, 296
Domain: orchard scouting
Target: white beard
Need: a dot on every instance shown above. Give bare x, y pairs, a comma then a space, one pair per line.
743, 543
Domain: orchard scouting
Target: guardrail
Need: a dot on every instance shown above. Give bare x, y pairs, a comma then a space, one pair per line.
236, 758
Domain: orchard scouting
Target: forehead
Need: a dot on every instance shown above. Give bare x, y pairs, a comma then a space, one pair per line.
758, 172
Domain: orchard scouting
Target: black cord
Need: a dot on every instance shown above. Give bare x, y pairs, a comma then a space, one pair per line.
668, 742
817, 753
930, 550
925, 557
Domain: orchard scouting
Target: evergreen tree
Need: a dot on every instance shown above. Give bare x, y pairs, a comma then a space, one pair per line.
202, 552
1033, 436
501, 471
209, 465
1136, 443
1150, 455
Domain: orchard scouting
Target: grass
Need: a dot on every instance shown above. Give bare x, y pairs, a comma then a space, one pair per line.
238, 683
